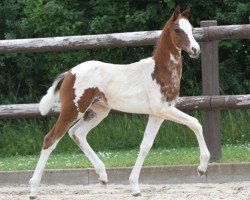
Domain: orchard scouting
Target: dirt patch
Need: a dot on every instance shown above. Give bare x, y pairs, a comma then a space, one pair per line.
198, 191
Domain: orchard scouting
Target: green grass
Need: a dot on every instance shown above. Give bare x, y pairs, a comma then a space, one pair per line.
230, 153
117, 132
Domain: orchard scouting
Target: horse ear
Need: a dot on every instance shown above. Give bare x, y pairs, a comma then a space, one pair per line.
186, 12
176, 13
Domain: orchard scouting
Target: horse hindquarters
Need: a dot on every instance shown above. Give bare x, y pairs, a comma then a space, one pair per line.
68, 116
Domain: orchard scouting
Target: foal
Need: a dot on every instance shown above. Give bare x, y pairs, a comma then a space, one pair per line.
151, 86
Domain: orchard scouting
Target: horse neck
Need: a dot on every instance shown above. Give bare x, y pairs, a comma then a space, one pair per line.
168, 66
165, 47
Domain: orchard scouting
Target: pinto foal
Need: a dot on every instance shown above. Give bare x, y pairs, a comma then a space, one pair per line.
151, 86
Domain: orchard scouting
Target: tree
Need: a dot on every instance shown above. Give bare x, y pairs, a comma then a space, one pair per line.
25, 77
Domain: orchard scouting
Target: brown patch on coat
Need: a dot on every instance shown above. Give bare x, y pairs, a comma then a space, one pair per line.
169, 85
68, 113
86, 99
166, 73
90, 95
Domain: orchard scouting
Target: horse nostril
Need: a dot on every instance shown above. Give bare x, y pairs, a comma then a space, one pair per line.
194, 50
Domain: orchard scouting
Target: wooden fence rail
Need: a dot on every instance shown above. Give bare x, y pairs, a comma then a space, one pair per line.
116, 39
184, 103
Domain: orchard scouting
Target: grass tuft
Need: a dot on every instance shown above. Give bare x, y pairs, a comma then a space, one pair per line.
124, 158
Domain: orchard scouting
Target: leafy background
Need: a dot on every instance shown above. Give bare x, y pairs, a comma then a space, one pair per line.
24, 78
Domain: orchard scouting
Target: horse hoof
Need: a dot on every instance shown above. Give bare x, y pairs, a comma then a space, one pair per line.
200, 172
136, 194
104, 183
33, 197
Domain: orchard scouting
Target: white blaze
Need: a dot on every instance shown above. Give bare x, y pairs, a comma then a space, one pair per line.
187, 28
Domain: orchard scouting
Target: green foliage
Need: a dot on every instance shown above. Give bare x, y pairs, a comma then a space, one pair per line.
234, 54
25, 77
50, 18
21, 136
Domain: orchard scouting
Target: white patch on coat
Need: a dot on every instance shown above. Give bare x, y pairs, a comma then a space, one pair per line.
173, 59
86, 76
174, 77
187, 28
128, 88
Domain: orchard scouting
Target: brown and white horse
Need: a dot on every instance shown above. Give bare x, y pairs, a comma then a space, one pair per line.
151, 86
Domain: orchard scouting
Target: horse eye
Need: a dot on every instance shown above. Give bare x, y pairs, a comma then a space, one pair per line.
177, 30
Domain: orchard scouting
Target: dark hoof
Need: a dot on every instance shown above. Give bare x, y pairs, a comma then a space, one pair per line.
137, 194
33, 197
201, 173
104, 183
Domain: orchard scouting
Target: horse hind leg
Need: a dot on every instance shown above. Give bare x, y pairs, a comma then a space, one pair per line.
93, 116
49, 144
68, 116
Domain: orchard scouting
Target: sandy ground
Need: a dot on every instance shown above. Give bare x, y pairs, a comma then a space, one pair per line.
200, 191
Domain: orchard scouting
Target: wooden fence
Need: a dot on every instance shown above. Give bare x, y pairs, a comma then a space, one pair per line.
184, 103
143, 38
207, 35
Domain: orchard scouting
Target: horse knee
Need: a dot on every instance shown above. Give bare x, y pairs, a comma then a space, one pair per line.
73, 136
195, 125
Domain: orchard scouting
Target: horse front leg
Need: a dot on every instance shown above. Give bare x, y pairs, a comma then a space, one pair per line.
152, 128
173, 114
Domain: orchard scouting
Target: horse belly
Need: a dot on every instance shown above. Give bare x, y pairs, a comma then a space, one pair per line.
131, 103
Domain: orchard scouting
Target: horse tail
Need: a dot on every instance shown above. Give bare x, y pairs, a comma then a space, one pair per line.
52, 95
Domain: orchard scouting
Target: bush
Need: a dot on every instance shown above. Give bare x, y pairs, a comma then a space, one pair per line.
27, 76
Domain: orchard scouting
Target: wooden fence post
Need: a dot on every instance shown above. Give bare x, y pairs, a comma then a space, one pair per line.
210, 86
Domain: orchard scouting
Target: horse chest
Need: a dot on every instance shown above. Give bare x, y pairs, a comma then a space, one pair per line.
169, 82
